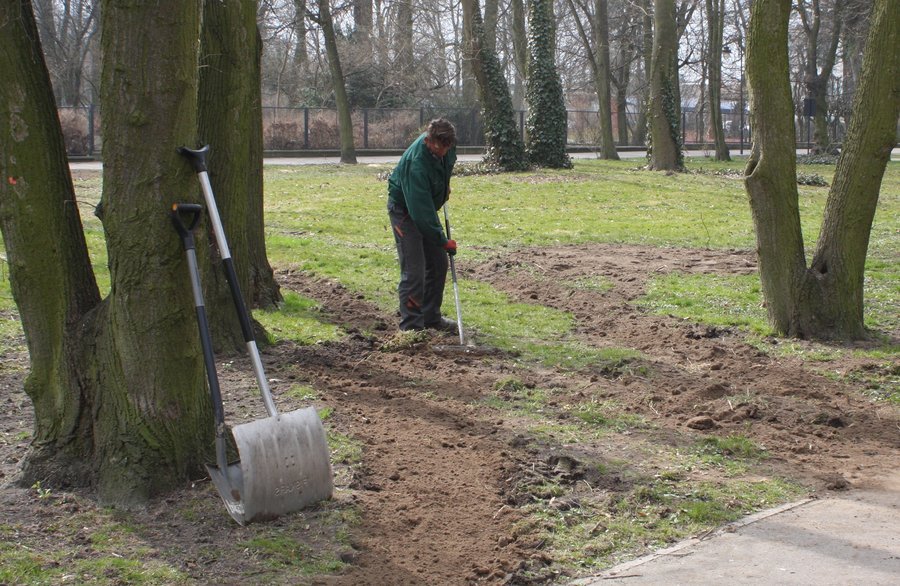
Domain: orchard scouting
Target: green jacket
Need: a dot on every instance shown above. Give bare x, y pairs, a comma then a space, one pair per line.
420, 183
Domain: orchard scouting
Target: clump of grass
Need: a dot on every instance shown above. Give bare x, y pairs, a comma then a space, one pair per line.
734, 445
405, 340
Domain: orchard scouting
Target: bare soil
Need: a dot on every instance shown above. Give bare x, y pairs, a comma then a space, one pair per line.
440, 485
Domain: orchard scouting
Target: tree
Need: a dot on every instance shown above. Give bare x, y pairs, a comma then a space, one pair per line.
663, 110
345, 123
116, 384
519, 48
546, 126
715, 16
596, 46
504, 144
230, 120
821, 47
68, 30
824, 300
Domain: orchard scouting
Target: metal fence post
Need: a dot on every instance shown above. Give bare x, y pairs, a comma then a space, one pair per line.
306, 128
365, 128
91, 130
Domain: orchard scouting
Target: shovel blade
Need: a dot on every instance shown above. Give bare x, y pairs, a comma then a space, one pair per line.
230, 484
284, 465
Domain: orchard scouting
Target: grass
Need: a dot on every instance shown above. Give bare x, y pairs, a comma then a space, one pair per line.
331, 221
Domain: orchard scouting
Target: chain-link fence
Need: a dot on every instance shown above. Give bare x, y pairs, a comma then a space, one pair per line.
287, 130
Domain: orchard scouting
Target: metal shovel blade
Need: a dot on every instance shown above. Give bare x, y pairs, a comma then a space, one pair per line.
284, 466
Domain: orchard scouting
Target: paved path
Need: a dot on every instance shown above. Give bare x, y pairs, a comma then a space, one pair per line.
295, 161
845, 539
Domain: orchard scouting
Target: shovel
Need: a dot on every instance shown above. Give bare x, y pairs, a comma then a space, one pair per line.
284, 460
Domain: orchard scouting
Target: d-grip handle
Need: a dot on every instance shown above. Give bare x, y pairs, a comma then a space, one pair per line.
193, 211
197, 157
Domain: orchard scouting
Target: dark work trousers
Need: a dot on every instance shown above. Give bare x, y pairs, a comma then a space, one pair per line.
423, 273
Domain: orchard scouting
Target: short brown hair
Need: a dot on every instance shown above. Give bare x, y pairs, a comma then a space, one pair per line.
442, 131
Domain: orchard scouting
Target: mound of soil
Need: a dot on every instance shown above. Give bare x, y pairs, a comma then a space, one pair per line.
441, 479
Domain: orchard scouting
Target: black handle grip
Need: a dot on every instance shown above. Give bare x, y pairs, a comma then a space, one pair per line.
186, 231
197, 157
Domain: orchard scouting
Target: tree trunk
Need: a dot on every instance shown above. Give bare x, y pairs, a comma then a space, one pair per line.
148, 359
597, 50
504, 143
663, 109
547, 124
520, 51
345, 123
301, 54
832, 293
601, 80
771, 175
816, 81
117, 385
230, 121
715, 11
49, 270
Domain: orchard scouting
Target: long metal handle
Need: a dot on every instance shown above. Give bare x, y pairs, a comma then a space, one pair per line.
459, 325
209, 361
231, 277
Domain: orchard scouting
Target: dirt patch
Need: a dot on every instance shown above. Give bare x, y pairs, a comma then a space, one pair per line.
442, 478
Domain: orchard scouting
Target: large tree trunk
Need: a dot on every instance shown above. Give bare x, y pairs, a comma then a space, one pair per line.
49, 270
342, 102
715, 11
504, 143
547, 124
663, 109
117, 385
148, 359
832, 295
771, 175
229, 118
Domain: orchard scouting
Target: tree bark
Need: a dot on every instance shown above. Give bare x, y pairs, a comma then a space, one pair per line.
117, 385
597, 50
50, 272
342, 103
715, 11
504, 143
771, 174
230, 121
547, 124
816, 81
665, 126
832, 294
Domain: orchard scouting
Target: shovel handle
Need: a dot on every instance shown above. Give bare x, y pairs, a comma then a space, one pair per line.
196, 157
186, 231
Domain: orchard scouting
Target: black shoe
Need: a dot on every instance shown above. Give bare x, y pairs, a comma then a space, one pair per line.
445, 325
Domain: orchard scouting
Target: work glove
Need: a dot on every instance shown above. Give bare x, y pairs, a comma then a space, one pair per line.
450, 247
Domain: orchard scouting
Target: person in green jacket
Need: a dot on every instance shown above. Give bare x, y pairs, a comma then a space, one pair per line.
418, 187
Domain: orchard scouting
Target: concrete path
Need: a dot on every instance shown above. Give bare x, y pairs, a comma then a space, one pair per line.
845, 539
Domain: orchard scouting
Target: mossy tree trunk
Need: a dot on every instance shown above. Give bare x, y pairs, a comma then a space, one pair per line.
49, 270
117, 385
547, 124
505, 148
825, 300
662, 111
230, 117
